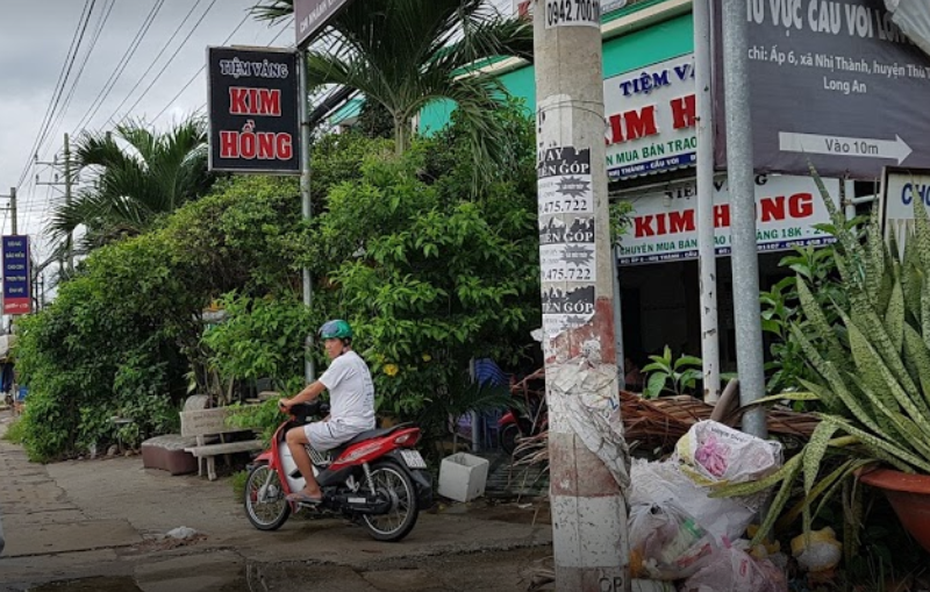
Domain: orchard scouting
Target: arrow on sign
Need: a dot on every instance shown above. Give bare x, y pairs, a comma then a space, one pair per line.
896, 149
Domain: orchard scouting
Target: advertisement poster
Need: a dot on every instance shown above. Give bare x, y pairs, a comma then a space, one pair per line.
253, 110
664, 224
17, 285
566, 232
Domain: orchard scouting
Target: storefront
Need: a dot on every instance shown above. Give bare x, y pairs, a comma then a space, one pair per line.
650, 109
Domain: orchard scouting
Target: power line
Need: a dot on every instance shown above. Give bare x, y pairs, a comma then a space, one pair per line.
203, 67
101, 23
59, 86
165, 67
157, 57
118, 71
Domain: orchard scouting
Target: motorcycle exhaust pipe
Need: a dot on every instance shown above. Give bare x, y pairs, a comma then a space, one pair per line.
364, 504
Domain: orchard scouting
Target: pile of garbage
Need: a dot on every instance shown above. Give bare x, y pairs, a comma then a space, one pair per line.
678, 533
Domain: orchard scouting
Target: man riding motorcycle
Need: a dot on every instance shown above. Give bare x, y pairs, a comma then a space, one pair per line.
352, 405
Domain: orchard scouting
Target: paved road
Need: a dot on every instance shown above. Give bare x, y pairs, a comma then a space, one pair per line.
103, 522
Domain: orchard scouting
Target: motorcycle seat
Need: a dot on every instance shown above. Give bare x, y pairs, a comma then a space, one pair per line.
370, 435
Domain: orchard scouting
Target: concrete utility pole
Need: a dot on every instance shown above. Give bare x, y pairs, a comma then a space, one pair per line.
745, 257
588, 457
13, 215
707, 260
70, 245
306, 206
68, 183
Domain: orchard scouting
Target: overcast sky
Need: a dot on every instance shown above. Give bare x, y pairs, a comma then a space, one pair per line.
35, 37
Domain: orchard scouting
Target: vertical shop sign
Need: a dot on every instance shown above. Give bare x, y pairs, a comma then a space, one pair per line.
253, 110
566, 233
17, 287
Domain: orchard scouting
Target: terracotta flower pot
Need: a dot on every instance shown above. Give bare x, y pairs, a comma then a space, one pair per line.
909, 496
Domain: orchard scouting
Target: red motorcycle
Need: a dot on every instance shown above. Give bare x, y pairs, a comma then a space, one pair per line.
378, 479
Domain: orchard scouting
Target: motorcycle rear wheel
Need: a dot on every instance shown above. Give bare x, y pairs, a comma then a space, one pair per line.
394, 481
265, 505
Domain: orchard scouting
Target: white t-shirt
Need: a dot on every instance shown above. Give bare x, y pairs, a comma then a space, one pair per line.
351, 392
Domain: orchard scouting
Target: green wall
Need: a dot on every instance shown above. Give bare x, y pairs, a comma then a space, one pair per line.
666, 40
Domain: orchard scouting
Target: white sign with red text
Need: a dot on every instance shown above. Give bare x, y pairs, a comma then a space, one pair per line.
650, 119
664, 223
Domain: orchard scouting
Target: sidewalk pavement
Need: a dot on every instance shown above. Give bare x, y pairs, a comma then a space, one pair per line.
107, 518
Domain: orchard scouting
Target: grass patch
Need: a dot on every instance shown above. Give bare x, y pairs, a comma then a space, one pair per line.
15, 431
238, 480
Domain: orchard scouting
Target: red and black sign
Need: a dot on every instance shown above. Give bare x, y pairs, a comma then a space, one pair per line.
254, 121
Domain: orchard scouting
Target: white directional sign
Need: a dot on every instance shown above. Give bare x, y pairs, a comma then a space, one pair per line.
896, 149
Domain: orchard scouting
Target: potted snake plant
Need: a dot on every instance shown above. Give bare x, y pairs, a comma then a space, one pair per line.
872, 371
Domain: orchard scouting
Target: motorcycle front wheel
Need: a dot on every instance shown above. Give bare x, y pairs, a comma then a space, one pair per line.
508, 438
393, 481
265, 505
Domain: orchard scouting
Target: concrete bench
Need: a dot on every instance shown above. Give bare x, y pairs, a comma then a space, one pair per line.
212, 435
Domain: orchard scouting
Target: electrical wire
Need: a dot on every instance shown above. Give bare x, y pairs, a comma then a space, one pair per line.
59, 86
157, 57
203, 105
165, 67
101, 23
120, 67
36, 208
203, 67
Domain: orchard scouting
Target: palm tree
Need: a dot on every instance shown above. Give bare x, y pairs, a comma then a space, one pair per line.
138, 175
405, 54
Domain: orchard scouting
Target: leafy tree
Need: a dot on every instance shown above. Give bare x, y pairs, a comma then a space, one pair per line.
430, 277
404, 54
121, 336
138, 175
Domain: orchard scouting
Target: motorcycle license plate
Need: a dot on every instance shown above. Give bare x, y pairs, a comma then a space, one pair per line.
413, 459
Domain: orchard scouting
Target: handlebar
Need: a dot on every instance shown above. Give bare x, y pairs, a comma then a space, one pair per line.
301, 411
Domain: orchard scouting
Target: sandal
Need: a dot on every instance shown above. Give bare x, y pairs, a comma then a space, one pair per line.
303, 498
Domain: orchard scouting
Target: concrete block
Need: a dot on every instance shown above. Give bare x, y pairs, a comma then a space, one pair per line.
462, 476
167, 453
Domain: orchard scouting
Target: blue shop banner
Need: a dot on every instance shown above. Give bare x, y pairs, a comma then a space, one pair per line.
16, 275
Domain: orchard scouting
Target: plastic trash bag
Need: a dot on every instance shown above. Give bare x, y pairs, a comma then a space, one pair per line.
712, 453
818, 550
732, 570
660, 482
666, 543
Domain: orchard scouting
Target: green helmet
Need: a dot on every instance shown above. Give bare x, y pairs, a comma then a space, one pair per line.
335, 329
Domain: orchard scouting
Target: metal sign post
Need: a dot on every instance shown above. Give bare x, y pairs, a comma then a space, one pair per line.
746, 309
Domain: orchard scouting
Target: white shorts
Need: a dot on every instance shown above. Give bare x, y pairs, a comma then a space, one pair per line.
326, 435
